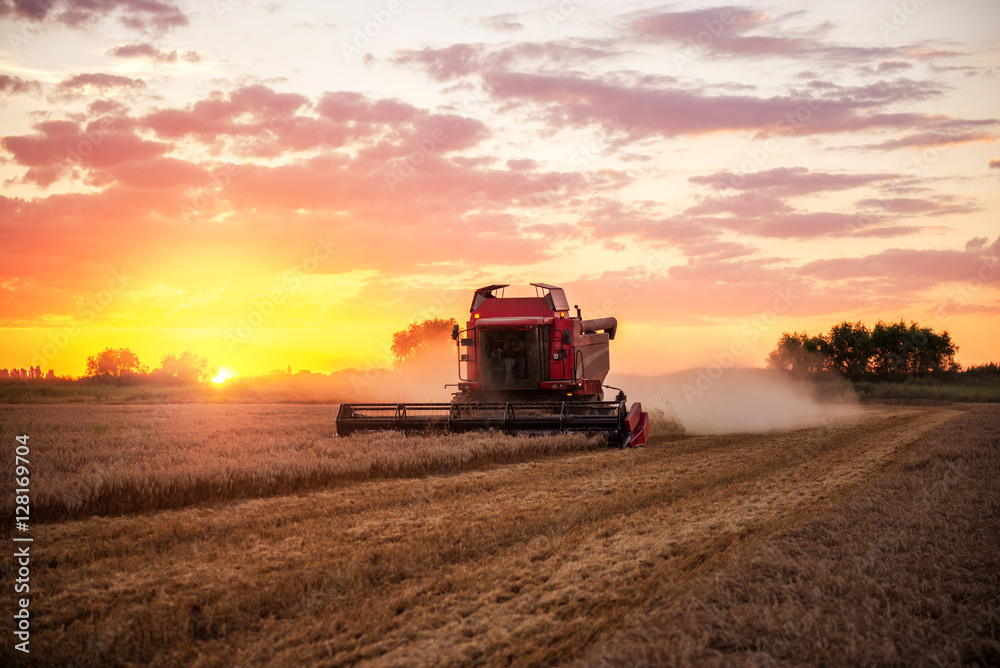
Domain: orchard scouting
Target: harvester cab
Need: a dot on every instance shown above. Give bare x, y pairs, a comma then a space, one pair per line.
525, 364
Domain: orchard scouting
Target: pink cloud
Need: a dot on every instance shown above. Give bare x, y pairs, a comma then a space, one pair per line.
914, 206
916, 268
460, 60
147, 50
893, 66
152, 15
725, 32
257, 120
59, 145
790, 181
221, 114
643, 110
11, 85
944, 135
100, 80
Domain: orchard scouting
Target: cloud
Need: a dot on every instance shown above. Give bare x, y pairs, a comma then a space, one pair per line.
147, 50
146, 15
994, 163
642, 109
943, 134
893, 66
909, 267
443, 64
759, 205
719, 286
460, 60
726, 32
503, 22
59, 146
257, 120
790, 181
99, 80
940, 206
33, 9
11, 85
250, 111
370, 171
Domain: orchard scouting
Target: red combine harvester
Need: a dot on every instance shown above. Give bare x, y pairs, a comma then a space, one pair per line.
526, 364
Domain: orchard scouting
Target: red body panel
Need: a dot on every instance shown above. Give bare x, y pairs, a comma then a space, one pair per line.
516, 347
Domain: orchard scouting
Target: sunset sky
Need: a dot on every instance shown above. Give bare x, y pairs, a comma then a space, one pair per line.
271, 184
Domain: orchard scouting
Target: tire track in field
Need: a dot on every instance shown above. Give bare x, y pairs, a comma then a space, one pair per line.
620, 544
645, 548
539, 557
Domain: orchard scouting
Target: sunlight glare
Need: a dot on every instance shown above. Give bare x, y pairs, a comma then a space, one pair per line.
224, 375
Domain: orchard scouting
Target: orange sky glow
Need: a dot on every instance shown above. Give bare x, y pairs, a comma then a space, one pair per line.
287, 184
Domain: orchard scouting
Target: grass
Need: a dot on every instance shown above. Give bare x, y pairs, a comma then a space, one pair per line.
34, 392
869, 541
916, 390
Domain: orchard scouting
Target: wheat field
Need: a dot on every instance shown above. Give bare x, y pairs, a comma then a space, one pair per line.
118, 459
871, 541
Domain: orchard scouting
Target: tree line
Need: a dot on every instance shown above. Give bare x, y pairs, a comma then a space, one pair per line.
888, 352
122, 366
31, 373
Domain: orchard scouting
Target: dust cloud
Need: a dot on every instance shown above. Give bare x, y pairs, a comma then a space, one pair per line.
420, 379
737, 401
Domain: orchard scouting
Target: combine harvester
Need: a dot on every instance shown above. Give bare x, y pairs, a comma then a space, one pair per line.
525, 364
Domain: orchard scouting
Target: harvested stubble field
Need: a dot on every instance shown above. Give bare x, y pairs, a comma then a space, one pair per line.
873, 541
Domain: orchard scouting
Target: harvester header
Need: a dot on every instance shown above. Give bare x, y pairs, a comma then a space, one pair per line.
524, 364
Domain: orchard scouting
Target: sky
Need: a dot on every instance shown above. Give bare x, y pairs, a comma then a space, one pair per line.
277, 184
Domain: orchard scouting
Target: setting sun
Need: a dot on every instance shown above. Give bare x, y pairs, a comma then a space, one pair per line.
224, 375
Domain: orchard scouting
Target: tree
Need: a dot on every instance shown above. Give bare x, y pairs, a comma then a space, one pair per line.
935, 353
849, 349
116, 364
892, 350
887, 352
407, 343
186, 369
799, 354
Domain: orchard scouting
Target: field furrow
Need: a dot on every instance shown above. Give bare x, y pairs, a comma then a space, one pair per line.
536, 561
